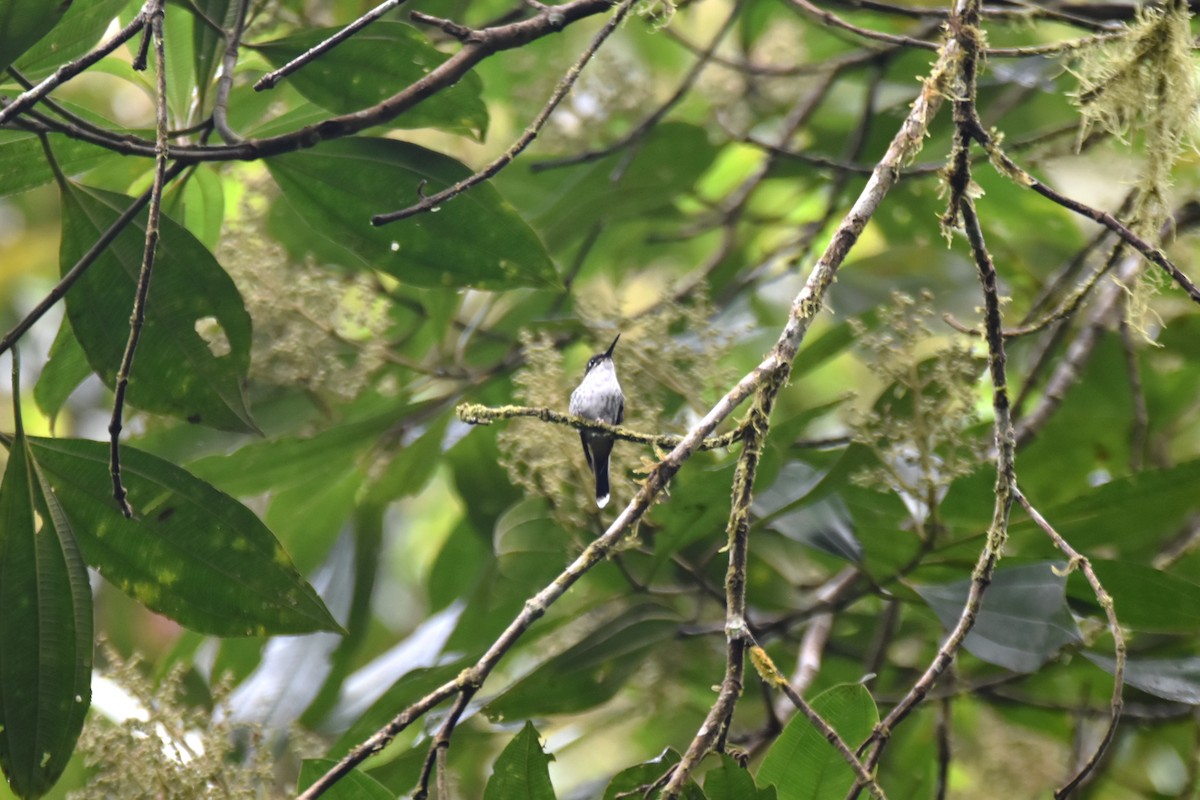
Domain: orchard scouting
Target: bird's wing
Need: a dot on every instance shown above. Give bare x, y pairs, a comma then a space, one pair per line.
620, 412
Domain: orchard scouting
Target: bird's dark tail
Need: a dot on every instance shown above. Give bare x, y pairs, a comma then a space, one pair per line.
601, 450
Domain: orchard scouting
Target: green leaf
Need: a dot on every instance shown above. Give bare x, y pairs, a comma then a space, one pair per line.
411, 465
80, 28
529, 543
23, 160
1024, 620
375, 64
190, 552
45, 629
1176, 679
66, 368
730, 781
199, 203
632, 781
645, 774
801, 764
1145, 599
23, 22
1131, 514
208, 45
522, 772
666, 163
592, 671
476, 239
177, 371
354, 785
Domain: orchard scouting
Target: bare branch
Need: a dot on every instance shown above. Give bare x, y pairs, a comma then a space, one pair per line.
431, 202
152, 233
1077, 561
273, 77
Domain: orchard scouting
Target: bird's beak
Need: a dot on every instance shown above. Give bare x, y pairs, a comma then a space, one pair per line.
609, 351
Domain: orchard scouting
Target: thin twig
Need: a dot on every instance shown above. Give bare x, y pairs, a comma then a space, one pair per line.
273, 77
1006, 166
60, 289
433, 201
1080, 562
484, 43
233, 41
440, 746
833, 20
72, 68
143, 285
646, 125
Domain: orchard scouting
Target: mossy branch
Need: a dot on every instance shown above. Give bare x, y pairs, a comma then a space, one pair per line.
476, 414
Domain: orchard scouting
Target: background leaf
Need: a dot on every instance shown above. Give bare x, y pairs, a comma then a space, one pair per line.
522, 772
23, 22
1024, 620
337, 186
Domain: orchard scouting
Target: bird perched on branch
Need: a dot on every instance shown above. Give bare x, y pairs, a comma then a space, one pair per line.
599, 397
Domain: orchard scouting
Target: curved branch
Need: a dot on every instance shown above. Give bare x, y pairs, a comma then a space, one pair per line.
430, 202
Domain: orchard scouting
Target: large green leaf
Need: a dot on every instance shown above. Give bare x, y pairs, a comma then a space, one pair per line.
373, 65
801, 764
177, 371
45, 629
208, 44
476, 239
522, 772
1024, 620
23, 22
189, 552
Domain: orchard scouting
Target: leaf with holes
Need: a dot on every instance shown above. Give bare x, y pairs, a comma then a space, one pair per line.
194, 352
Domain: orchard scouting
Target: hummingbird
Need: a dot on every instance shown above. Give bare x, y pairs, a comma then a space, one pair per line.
599, 397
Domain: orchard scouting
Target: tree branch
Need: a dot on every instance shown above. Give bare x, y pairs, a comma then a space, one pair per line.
152, 233
273, 77
430, 202
1077, 561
